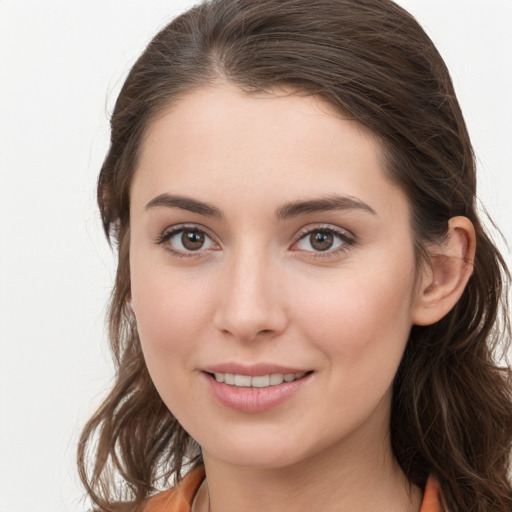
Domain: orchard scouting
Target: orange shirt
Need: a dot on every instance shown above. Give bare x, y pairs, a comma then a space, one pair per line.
180, 498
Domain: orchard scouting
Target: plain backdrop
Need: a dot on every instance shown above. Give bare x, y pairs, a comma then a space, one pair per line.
62, 64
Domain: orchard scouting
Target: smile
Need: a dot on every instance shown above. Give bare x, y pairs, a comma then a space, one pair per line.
257, 381
258, 392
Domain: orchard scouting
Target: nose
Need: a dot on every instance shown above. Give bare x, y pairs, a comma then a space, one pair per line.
251, 298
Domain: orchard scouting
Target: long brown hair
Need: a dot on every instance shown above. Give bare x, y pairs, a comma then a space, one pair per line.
452, 411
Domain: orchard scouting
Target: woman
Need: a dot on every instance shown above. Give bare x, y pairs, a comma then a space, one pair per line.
306, 304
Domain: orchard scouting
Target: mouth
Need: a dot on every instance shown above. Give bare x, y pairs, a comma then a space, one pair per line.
257, 381
256, 388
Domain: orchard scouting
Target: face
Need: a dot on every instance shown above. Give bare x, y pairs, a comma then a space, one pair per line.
273, 275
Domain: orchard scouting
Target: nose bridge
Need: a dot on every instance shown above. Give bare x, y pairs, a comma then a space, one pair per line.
251, 301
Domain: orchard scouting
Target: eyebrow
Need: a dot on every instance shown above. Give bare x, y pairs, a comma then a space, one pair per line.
328, 203
184, 203
286, 211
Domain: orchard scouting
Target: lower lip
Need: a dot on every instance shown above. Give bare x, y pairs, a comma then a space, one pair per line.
254, 400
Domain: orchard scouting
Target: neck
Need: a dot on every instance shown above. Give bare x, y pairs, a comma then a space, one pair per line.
359, 478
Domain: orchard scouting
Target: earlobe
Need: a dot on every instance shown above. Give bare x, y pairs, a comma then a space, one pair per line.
444, 280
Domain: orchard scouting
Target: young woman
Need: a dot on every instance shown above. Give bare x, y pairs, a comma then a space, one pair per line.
306, 307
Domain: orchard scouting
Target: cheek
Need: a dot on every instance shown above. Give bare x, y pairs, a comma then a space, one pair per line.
362, 318
171, 311
361, 327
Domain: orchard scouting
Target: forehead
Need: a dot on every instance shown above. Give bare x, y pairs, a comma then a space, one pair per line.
222, 140
249, 118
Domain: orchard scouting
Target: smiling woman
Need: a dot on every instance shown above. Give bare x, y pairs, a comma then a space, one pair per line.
306, 302
264, 288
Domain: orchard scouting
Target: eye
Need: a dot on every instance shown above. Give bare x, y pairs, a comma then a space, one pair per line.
324, 239
184, 240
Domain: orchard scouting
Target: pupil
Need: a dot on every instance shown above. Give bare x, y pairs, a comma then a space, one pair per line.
321, 241
192, 240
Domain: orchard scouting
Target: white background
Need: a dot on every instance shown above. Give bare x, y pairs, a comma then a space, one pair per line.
61, 66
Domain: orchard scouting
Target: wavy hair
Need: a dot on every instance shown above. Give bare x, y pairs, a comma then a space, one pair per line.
451, 410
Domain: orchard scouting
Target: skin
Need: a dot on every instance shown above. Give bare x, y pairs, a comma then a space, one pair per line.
259, 291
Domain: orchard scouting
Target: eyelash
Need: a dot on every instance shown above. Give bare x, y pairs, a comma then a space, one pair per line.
347, 240
168, 234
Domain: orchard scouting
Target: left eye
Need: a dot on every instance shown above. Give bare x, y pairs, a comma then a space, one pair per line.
322, 240
187, 240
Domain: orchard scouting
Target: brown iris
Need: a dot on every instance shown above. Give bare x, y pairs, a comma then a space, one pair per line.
321, 240
192, 240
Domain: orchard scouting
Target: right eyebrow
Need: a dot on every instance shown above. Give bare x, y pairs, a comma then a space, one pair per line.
184, 203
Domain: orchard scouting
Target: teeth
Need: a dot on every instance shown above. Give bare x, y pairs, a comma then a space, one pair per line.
260, 381
276, 378
229, 378
242, 380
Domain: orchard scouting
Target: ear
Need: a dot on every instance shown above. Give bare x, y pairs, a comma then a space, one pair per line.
444, 280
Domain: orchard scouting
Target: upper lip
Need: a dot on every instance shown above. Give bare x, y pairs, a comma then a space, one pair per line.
253, 370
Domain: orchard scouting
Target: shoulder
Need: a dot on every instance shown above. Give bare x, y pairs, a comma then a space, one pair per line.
431, 501
179, 498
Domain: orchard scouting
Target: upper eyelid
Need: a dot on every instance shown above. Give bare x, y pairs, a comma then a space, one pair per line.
192, 226
326, 227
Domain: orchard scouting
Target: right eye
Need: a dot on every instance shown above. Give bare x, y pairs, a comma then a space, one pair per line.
185, 241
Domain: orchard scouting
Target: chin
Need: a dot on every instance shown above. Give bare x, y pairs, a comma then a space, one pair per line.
257, 457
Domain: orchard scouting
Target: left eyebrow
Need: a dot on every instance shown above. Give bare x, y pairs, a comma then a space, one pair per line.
331, 202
